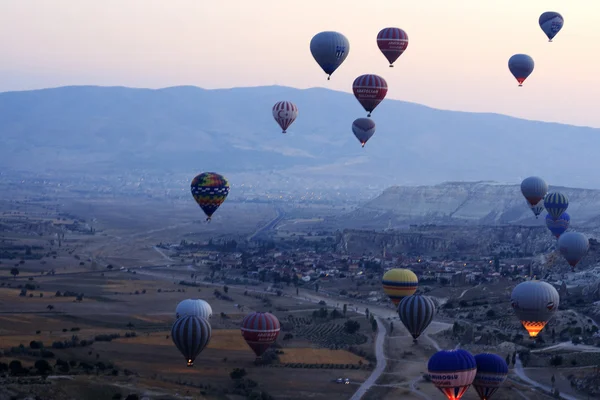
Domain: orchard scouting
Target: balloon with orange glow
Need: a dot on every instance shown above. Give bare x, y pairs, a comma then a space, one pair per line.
398, 283
534, 302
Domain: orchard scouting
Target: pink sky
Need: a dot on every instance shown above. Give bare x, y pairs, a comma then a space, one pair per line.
457, 56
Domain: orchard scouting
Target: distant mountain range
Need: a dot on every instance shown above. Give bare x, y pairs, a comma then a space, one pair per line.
465, 203
184, 130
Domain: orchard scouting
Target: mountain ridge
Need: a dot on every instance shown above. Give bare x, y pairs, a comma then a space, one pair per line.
110, 129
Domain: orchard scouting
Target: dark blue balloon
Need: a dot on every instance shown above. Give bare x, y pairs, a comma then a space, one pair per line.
558, 226
551, 23
521, 66
452, 372
329, 50
492, 371
451, 360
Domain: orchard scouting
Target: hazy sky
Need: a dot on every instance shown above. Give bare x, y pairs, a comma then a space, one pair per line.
457, 56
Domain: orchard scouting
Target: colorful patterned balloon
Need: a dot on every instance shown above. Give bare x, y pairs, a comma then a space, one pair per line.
210, 191
398, 283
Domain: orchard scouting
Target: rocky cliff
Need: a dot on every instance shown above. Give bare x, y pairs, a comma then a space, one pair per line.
466, 203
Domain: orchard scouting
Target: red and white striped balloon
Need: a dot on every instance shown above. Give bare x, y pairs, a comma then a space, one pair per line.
369, 90
285, 112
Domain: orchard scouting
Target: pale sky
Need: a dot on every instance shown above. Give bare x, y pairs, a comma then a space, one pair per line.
456, 59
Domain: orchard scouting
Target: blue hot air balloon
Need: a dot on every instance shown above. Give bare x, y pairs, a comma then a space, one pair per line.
521, 66
551, 23
556, 203
416, 313
491, 374
558, 226
329, 49
452, 372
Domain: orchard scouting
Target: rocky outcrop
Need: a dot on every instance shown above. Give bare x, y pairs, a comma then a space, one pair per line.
454, 203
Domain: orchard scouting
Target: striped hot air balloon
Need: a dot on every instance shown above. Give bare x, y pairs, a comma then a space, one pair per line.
573, 246
195, 307
369, 90
191, 335
492, 371
363, 129
452, 372
210, 191
538, 208
556, 203
260, 330
392, 42
416, 313
285, 113
534, 302
398, 283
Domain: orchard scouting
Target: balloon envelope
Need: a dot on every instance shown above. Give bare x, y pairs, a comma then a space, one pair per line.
416, 313
558, 226
363, 129
195, 307
398, 283
210, 191
534, 302
573, 246
285, 113
260, 330
521, 66
551, 23
392, 42
191, 335
556, 203
452, 372
534, 189
369, 90
492, 371
329, 50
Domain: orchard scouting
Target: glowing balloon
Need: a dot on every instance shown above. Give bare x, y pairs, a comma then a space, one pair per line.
521, 66
534, 302
363, 129
452, 372
191, 335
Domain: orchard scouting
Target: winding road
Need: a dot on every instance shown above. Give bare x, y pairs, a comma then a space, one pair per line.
381, 362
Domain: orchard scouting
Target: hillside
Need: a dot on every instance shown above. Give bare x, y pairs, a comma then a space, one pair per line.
182, 130
458, 203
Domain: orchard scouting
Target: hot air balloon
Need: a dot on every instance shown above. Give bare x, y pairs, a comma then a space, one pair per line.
260, 330
573, 246
521, 66
329, 50
492, 371
195, 307
392, 42
191, 335
285, 112
369, 90
210, 191
556, 203
534, 302
416, 313
398, 283
534, 189
452, 372
558, 226
538, 208
363, 129
551, 23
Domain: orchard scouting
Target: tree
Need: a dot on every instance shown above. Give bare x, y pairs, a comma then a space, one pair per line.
237, 373
374, 325
497, 264
391, 327
43, 367
508, 359
14, 272
226, 289
50, 307
345, 309
367, 313
317, 288
490, 313
351, 326
514, 358
556, 361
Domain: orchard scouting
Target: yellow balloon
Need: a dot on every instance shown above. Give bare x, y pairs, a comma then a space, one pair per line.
398, 283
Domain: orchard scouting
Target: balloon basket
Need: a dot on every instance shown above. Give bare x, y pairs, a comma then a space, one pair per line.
391, 66
190, 363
